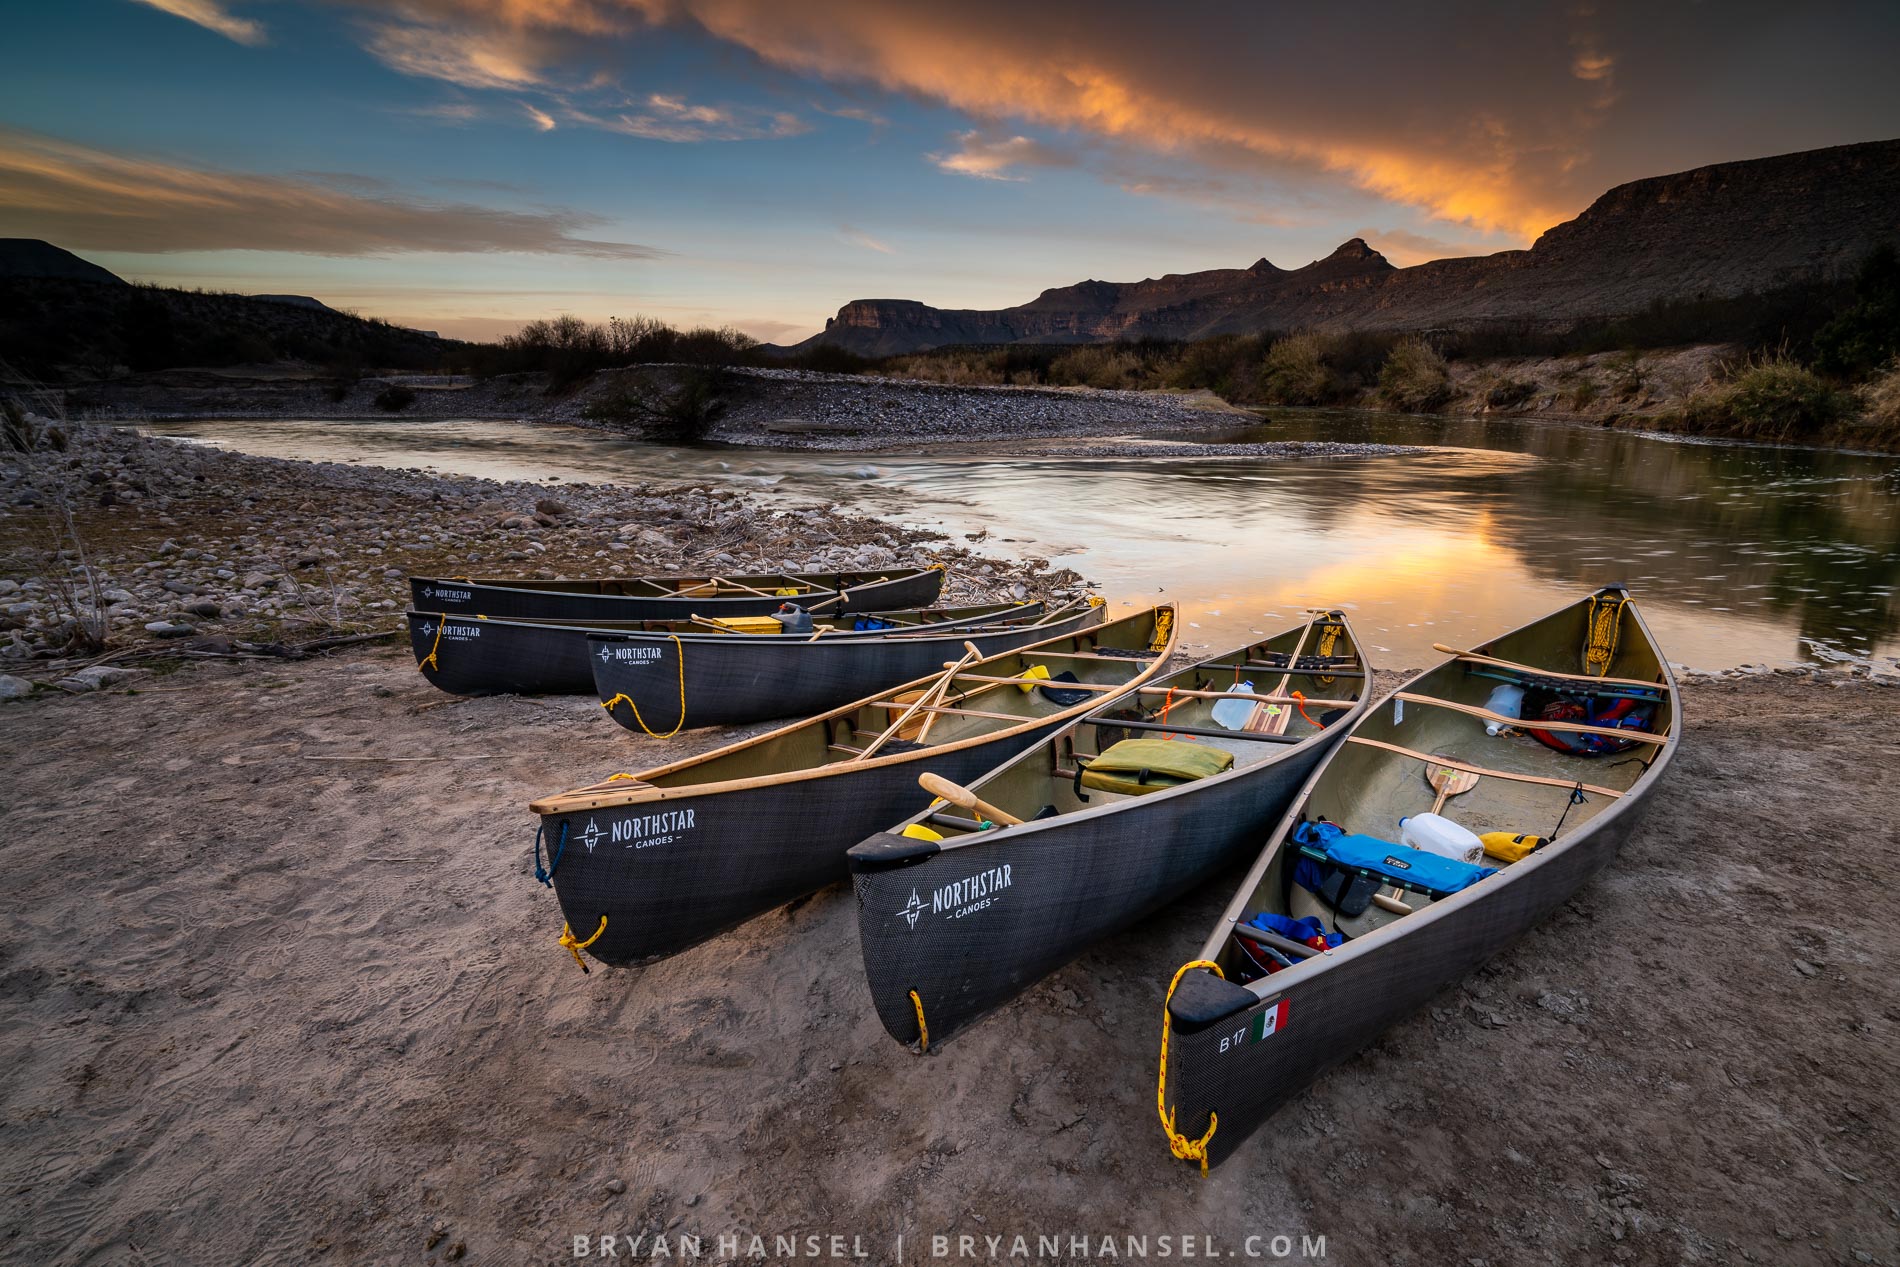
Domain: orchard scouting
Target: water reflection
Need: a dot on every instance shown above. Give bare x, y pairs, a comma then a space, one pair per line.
1739, 553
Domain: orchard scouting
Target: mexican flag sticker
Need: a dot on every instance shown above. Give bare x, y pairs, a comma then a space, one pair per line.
1270, 1022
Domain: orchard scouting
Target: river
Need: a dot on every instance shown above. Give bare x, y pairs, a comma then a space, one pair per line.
1737, 553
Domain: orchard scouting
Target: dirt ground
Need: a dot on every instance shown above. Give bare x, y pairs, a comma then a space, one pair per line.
277, 985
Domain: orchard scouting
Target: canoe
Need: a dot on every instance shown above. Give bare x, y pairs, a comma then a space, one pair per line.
953, 928
1238, 1043
673, 597
479, 655
648, 864
660, 686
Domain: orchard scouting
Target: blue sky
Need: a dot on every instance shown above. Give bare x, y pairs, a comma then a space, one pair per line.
469, 164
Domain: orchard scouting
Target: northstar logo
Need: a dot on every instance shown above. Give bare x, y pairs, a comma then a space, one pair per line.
913, 908
591, 834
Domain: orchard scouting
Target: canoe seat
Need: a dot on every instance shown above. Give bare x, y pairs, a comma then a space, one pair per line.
1135, 767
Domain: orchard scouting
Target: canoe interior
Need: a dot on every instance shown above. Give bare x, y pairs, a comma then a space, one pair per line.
1367, 790
1111, 654
1042, 782
916, 618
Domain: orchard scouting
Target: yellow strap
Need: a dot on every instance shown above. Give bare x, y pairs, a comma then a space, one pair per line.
923, 1030
1328, 639
441, 623
679, 654
1183, 1147
575, 945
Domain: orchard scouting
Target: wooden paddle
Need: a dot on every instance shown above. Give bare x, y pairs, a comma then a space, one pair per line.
966, 799
1448, 782
930, 719
942, 684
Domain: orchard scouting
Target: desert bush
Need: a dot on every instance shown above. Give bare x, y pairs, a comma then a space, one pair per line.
674, 407
1504, 392
1295, 372
1414, 377
1771, 398
1866, 334
1109, 367
395, 398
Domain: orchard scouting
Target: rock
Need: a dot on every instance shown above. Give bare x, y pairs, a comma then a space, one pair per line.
9, 587
12, 688
455, 1251
204, 607
1806, 969
616, 1186
166, 629
307, 559
96, 678
258, 581
548, 506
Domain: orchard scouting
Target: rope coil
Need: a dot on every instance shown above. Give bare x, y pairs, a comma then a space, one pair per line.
679, 655
923, 1030
575, 945
1180, 1145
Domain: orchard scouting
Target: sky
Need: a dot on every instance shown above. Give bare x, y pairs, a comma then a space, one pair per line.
465, 165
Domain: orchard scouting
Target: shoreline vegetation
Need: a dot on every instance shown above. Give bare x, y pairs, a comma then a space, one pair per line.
1815, 364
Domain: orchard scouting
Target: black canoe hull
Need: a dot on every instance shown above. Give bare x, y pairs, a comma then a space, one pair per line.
733, 681
969, 928
502, 657
669, 874
1331, 1015
469, 598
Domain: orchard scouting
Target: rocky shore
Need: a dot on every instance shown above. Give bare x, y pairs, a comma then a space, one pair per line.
116, 546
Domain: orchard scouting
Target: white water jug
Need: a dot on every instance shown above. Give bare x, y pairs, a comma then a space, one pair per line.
1507, 700
1437, 834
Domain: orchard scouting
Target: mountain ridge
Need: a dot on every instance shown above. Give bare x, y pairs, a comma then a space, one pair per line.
1719, 231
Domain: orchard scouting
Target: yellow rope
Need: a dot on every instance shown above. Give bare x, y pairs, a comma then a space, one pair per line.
1606, 624
1328, 639
622, 774
923, 1030
1183, 1147
575, 945
1164, 622
441, 623
679, 654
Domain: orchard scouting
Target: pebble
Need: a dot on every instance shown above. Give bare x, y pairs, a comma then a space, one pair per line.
12, 688
1806, 969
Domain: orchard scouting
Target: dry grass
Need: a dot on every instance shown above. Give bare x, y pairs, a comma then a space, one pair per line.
1415, 377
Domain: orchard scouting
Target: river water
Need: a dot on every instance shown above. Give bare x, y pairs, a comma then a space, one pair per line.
1737, 553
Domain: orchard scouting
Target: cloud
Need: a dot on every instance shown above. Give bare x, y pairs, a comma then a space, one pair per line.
995, 157
1405, 248
452, 113
92, 199
542, 120
465, 56
857, 113
857, 237
212, 17
665, 117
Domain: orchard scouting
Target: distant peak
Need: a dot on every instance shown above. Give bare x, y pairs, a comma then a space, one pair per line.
1355, 249
1265, 265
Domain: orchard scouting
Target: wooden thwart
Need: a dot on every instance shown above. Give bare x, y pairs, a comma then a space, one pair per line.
1486, 771
1578, 728
1474, 658
937, 690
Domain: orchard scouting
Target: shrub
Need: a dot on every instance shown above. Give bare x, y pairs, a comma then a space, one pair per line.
1867, 334
1295, 372
1109, 367
1414, 376
1772, 398
395, 398
1505, 392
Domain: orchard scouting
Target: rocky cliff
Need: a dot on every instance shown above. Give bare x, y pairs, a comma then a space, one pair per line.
1714, 232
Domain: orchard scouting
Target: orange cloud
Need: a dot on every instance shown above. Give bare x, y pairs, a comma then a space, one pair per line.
212, 17
93, 199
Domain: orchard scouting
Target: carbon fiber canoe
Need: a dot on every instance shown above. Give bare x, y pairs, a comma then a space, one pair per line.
477, 655
647, 865
952, 929
1239, 1047
661, 685
672, 597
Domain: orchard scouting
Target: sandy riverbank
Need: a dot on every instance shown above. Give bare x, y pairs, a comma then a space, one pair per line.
276, 984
